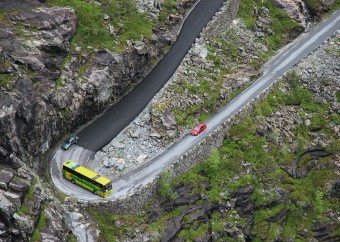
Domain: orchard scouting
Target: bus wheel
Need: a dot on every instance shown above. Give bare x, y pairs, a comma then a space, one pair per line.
73, 181
94, 192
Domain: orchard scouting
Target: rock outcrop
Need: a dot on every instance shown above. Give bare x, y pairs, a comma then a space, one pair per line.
23, 202
49, 90
29, 118
296, 9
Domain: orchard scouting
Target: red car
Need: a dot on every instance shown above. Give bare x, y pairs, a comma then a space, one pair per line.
198, 129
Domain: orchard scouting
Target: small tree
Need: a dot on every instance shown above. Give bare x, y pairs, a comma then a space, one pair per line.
214, 162
164, 190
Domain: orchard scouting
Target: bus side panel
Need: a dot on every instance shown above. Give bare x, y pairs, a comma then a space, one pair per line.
87, 186
67, 175
84, 184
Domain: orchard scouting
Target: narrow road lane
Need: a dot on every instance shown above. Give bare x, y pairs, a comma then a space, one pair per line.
114, 120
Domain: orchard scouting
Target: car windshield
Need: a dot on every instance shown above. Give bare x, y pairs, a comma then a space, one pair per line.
197, 128
67, 141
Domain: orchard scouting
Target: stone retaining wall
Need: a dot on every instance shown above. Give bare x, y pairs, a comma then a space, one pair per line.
198, 154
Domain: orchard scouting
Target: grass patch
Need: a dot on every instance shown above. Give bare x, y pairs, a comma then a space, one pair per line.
24, 209
191, 234
113, 227
92, 29
5, 80
282, 25
41, 223
165, 190
71, 238
168, 7
29, 194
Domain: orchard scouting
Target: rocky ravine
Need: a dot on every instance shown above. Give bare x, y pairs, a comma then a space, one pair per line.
42, 101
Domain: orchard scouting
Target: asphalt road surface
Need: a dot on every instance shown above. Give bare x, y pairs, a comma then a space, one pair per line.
140, 177
115, 119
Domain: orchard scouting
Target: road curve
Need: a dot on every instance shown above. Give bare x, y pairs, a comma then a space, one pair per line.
116, 118
138, 178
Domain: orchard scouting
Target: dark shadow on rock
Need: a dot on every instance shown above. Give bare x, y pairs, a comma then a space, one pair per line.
314, 153
21, 4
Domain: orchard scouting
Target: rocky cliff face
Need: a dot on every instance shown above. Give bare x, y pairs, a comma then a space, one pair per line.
47, 89
30, 117
25, 204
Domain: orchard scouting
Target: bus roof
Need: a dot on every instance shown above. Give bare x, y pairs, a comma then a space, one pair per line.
103, 180
86, 172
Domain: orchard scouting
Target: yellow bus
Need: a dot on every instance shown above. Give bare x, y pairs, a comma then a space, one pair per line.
86, 178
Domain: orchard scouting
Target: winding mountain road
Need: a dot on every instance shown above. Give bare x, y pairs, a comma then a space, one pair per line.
101, 131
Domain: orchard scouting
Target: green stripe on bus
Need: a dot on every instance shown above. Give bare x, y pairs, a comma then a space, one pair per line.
84, 182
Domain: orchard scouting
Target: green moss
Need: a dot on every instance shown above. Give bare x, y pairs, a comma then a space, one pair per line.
159, 224
23, 210
192, 234
165, 190
192, 177
41, 223
334, 147
168, 7
314, 5
293, 217
217, 222
65, 112
29, 194
71, 238
246, 13
5, 80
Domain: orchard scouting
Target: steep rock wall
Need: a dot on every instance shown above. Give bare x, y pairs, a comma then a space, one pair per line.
48, 90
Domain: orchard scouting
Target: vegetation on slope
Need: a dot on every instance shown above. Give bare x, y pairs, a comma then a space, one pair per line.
307, 201
93, 29
228, 55
249, 157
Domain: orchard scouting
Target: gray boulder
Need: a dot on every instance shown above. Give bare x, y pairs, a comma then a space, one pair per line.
19, 185
7, 208
5, 178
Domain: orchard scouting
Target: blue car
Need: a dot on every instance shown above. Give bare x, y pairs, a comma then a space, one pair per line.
73, 139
